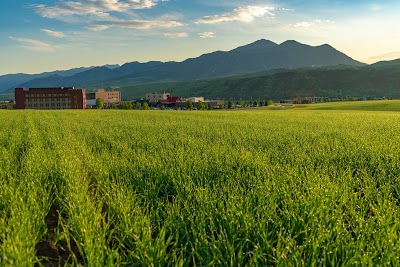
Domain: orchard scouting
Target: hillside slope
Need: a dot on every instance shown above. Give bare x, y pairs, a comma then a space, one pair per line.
258, 56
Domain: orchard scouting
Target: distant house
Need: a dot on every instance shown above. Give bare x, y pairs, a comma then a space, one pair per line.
157, 97
108, 97
215, 103
172, 100
195, 99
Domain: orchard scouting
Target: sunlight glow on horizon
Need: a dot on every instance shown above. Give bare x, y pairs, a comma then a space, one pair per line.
53, 35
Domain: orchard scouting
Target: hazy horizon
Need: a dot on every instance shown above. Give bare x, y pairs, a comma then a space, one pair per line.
60, 35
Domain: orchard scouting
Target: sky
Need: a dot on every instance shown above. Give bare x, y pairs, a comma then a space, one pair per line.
48, 35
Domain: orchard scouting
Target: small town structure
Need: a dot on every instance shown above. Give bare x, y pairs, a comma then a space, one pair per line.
305, 100
157, 97
195, 99
172, 100
165, 99
214, 104
50, 98
108, 97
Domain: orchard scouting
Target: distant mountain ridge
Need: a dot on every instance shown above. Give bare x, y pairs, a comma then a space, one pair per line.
13, 80
258, 56
371, 81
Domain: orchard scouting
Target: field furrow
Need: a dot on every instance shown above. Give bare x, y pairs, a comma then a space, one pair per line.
160, 188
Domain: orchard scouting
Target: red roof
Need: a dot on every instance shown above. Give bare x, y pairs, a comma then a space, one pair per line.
172, 99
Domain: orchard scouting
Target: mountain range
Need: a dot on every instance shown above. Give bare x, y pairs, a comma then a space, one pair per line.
262, 55
374, 81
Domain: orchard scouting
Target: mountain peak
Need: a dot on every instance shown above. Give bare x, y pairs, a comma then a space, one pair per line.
260, 44
291, 43
263, 43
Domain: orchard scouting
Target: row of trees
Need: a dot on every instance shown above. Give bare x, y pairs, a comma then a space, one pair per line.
122, 105
6, 105
255, 103
189, 105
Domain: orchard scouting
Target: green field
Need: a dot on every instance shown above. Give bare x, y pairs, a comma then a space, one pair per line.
376, 105
294, 187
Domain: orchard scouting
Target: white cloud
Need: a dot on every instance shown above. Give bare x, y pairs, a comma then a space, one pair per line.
242, 14
97, 28
100, 8
207, 35
145, 24
53, 33
176, 35
386, 56
134, 24
33, 45
101, 14
308, 24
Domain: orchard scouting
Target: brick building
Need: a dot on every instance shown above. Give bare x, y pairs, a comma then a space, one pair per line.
107, 96
50, 98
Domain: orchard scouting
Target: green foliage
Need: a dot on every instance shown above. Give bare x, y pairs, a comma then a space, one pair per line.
163, 107
122, 105
113, 106
189, 105
376, 105
270, 103
145, 106
138, 105
295, 187
200, 105
99, 103
231, 104
6, 105
125, 105
341, 81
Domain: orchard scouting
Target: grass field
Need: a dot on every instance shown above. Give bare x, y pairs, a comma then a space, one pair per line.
376, 105
173, 188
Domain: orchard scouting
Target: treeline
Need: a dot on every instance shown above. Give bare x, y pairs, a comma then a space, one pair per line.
338, 82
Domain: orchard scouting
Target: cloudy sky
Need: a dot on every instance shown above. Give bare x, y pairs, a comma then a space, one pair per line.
45, 35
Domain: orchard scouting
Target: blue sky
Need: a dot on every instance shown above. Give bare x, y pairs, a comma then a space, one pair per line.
45, 35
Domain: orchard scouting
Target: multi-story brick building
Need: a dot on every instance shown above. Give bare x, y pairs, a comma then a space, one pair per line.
107, 96
50, 98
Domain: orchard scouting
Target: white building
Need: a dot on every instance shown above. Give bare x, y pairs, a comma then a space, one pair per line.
196, 99
156, 97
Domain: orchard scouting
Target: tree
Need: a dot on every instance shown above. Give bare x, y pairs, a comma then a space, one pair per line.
200, 105
189, 105
261, 103
231, 105
145, 106
125, 105
163, 107
129, 105
113, 106
255, 103
138, 105
270, 103
99, 103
